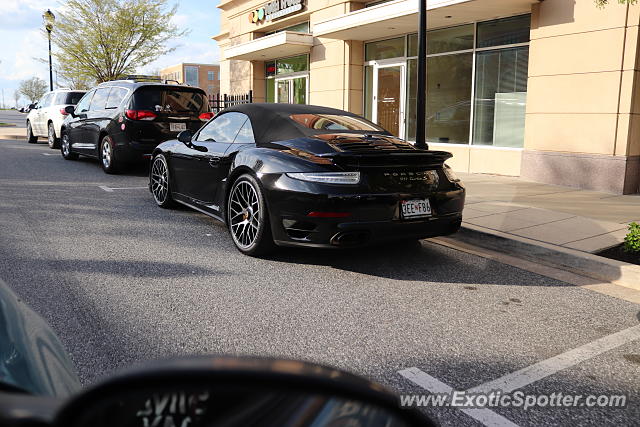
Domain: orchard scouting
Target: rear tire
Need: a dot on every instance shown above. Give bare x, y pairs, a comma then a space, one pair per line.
248, 217
51, 137
65, 148
109, 161
31, 138
159, 182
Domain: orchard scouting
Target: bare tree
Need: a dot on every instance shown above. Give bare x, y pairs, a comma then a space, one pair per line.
33, 88
16, 96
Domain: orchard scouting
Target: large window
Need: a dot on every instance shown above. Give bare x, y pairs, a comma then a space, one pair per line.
287, 80
449, 80
191, 75
481, 107
500, 97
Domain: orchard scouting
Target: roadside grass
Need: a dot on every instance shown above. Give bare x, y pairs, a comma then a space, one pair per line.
6, 125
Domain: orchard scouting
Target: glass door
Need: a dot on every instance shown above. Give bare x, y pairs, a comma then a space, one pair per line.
389, 97
292, 90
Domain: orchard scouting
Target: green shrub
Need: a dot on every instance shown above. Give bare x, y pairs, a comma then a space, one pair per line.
632, 239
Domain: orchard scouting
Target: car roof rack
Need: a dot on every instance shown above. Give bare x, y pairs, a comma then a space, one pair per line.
139, 78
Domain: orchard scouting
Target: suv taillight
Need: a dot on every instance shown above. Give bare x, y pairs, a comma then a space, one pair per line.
64, 113
206, 116
140, 115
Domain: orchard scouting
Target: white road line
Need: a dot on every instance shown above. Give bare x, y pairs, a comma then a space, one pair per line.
111, 189
50, 154
545, 368
426, 381
523, 377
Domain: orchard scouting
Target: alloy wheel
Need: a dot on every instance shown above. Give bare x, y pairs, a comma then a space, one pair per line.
65, 145
160, 180
51, 136
106, 154
244, 214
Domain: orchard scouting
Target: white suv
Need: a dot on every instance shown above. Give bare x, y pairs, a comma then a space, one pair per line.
46, 119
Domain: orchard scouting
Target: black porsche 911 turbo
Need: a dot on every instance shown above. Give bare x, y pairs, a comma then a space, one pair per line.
303, 175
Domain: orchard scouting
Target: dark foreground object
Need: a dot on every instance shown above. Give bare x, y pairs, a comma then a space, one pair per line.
225, 391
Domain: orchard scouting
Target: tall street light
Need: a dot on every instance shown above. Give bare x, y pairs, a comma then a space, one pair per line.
49, 18
421, 108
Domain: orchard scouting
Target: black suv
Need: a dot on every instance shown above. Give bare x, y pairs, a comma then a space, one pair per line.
122, 121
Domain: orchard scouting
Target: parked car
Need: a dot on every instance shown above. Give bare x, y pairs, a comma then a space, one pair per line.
302, 175
123, 121
46, 116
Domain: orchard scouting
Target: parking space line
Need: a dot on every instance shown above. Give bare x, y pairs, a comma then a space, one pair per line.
523, 377
545, 368
426, 381
112, 189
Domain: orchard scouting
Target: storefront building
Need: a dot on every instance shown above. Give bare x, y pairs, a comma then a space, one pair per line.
539, 89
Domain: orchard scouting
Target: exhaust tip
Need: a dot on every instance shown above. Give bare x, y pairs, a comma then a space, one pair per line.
350, 238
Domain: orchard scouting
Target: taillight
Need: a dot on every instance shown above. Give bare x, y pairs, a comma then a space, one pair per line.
206, 116
64, 113
140, 115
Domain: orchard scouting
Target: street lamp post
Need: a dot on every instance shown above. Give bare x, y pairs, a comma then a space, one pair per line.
421, 107
49, 18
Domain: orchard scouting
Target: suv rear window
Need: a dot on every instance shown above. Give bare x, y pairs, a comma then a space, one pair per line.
70, 98
170, 100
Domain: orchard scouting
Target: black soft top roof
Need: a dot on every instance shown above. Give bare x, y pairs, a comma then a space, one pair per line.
272, 122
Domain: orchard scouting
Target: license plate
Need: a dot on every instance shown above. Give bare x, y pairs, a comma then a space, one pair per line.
415, 208
177, 127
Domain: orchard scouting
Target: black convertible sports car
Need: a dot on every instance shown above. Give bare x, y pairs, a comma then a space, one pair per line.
302, 175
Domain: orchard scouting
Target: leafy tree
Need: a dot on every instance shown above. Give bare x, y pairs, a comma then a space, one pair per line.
73, 78
101, 40
603, 3
33, 88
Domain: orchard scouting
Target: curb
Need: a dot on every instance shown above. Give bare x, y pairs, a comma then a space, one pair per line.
582, 263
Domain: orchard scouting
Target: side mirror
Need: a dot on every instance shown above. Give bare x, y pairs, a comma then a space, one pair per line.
209, 391
70, 109
185, 137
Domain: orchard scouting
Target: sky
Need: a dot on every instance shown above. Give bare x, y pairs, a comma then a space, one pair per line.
22, 41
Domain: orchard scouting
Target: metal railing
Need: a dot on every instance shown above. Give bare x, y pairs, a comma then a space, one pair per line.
219, 102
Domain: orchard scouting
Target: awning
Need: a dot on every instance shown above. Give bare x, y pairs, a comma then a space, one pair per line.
283, 43
401, 17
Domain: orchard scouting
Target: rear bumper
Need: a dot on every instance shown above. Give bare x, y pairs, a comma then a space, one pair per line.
370, 218
355, 234
134, 150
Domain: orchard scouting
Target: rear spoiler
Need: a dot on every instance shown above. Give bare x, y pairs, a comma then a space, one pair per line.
386, 159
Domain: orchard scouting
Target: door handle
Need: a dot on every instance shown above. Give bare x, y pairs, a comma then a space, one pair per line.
214, 161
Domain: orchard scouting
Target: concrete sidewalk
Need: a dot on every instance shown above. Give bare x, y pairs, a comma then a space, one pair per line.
13, 132
567, 217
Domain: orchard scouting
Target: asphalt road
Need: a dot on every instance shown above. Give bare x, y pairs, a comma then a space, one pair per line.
13, 117
123, 281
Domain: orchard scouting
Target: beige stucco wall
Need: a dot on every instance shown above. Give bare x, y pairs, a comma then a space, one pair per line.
583, 81
582, 67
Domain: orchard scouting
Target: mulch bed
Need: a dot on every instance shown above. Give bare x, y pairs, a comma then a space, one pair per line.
618, 253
